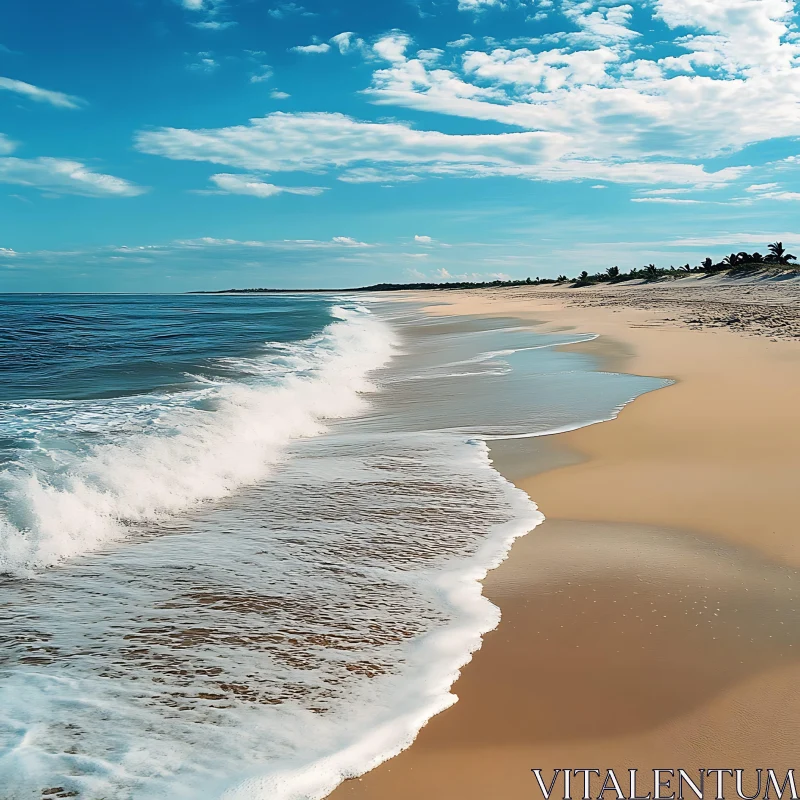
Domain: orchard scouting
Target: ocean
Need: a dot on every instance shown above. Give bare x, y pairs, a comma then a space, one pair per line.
241, 537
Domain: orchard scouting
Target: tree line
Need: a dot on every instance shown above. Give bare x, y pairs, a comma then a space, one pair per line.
777, 256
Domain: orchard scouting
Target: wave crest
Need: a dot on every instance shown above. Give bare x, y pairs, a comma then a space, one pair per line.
228, 436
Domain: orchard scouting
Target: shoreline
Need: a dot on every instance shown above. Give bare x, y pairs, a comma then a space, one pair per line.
681, 510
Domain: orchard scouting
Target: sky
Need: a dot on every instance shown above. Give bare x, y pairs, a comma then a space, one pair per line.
174, 145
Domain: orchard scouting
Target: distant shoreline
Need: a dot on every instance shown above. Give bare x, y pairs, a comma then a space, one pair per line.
635, 278
389, 287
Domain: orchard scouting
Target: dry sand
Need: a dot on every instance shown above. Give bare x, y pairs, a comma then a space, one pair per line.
651, 621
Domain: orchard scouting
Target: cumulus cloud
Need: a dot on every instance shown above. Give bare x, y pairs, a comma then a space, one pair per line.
392, 47
253, 185
58, 99
60, 176
276, 94
604, 25
739, 35
423, 239
391, 151
348, 42
611, 99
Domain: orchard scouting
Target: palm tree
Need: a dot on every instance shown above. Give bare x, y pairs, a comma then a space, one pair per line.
744, 257
651, 271
686, 268
778, 254
707, 264
613, 272
756, 257
732, 260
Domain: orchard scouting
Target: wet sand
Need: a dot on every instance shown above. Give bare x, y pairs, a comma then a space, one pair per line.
651, 621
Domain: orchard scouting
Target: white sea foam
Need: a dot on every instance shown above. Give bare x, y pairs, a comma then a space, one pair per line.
433, 664
290, 641
199, 446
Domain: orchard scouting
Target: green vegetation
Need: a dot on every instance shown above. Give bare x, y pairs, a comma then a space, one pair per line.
741, 262
398, 287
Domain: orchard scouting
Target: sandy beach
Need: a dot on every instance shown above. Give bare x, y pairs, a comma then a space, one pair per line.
650, 622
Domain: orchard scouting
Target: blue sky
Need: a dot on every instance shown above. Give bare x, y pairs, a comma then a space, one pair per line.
168, 145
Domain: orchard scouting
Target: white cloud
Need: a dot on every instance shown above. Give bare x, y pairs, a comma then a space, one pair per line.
322, 47
392, 47
288, 10
210, 8
387, 152
347, 241
462, 41
253, 185
60, 176
550, 70
213, 25
278, 95
478, 5
423, 240
284, 244
6, 145
348, 42
373, 175
738, 34
612, 101
771, 191
317, 141
58, 99
725, 239
659, 192
600, 26
205, 63
675, 201
390, 151
782, 196
593, 104
264, 74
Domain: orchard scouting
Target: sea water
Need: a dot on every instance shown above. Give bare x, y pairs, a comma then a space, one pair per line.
241, 537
